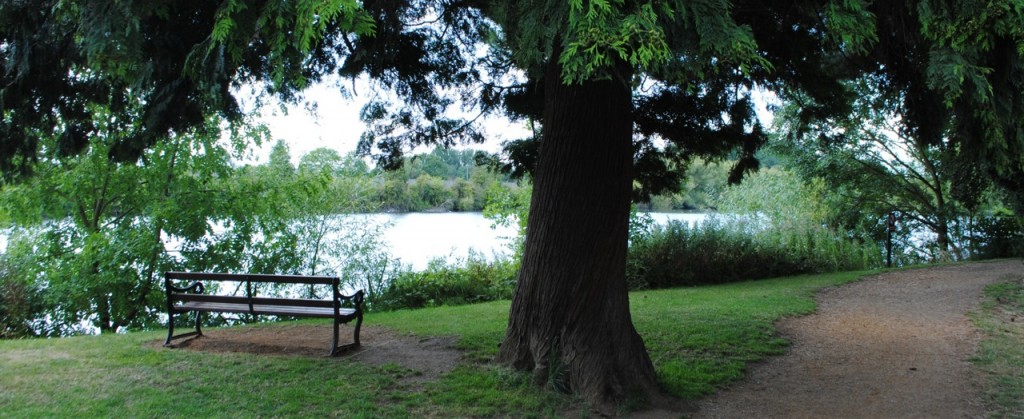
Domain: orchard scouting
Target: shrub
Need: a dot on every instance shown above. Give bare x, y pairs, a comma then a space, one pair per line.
20, 306
998, 236
728, 250
22, 299
778, 229
472, 280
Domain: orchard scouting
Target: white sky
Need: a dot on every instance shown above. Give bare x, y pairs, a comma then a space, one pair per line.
335, 122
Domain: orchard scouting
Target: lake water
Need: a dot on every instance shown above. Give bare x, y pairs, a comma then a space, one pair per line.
417, 238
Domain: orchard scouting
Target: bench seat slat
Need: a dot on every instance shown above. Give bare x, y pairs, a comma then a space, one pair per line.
277, 310
256, 300
276, 279
229, 299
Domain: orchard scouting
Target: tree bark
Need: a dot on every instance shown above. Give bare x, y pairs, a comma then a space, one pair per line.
570, 321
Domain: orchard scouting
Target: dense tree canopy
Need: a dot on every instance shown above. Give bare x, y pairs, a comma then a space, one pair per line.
937, 118
953, 72
180, 60
623, 91
699, 58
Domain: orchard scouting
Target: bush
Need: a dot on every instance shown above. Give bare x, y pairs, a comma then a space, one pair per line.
472, 280
20, 306
998, 236
778, 229
21, 302
729, 250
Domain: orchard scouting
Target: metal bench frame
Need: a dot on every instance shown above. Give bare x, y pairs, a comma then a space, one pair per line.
192, 299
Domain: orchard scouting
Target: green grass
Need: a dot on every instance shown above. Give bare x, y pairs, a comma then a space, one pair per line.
1000, 355
699, 339
479, 327
112, 376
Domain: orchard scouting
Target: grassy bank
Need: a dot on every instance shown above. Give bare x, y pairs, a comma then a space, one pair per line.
699, 339
1000, 355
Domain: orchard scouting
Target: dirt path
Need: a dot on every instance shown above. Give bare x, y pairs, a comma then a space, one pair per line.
892, 346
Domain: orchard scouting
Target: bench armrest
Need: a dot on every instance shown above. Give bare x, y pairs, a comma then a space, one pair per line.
357, 299
195, 288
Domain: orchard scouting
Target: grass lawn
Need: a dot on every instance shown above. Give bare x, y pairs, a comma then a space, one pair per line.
1000, 355
699, 339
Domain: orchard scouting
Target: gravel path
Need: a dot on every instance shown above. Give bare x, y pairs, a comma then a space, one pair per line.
896, 345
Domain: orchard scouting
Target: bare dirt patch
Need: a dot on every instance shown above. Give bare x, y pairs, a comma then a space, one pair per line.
429, 358
896, 345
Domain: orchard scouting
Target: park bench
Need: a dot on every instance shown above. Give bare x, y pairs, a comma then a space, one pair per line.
192, 298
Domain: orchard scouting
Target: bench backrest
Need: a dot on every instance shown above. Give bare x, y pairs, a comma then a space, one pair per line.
249, 297
279, 279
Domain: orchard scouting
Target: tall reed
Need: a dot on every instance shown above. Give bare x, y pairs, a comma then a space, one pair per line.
730, 249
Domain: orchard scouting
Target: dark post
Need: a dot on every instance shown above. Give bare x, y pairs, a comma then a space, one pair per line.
891, 227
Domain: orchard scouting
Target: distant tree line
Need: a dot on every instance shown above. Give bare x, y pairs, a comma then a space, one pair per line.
439, 180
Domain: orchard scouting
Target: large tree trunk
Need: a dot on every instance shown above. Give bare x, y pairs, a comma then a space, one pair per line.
570, 322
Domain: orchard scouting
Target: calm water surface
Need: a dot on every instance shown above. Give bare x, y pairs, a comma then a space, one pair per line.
417, 238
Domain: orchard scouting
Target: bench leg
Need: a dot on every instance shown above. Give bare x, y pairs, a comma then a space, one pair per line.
334, 342
355, 334
170, 328
337, 350
199, 321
